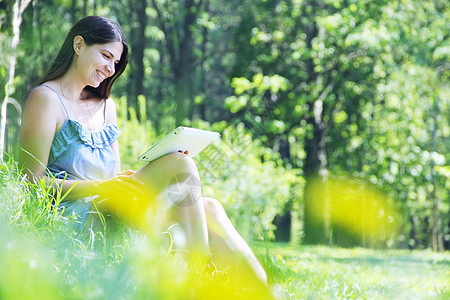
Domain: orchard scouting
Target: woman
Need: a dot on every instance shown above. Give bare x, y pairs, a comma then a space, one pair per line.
69, 137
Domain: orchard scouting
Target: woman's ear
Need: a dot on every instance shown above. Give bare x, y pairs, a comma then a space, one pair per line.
78, 43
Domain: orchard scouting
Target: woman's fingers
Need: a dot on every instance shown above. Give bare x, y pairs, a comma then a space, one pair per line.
122, 186
126, 172
128, 185
126, 197
129, 179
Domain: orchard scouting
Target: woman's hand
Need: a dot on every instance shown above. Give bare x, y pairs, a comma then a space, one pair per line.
123, 185
125, 196
127, 172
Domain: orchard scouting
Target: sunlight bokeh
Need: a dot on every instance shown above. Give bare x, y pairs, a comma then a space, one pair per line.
354, 211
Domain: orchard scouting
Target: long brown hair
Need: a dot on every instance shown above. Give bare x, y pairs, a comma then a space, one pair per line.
94, 30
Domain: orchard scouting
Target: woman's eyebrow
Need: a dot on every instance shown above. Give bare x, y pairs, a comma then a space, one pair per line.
110, 53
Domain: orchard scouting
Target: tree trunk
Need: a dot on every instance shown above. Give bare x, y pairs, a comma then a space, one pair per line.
139, 47
73, 11
137, 41
202, 107
436, 230
183, 94
184, 78
316, 224
179, 43
18, 8
85, 8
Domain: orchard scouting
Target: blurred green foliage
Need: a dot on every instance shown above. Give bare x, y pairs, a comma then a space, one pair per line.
356, 89
297, 88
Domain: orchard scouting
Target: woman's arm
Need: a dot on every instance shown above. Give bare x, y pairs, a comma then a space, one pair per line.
111, 117
41, 119
39, 125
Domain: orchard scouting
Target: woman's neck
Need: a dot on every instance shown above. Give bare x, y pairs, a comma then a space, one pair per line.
71, 85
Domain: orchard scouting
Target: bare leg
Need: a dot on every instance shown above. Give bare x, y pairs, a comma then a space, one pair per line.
227, 245
176, 182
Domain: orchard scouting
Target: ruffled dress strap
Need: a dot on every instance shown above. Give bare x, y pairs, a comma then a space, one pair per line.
72, 131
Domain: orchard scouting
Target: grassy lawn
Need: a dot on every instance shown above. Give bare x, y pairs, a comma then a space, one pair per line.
41, 258
61, 268
319, 272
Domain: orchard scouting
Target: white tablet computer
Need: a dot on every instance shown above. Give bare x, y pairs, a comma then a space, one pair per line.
182, 138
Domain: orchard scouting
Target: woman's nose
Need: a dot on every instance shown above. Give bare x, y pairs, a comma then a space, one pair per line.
109, 70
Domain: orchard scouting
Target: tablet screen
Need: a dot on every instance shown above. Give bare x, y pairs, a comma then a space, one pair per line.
182, 138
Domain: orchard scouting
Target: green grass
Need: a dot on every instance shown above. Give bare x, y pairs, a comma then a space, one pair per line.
42, 257
319, 272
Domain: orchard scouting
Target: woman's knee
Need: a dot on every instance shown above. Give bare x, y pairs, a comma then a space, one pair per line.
177, 163
168, 168
213, 208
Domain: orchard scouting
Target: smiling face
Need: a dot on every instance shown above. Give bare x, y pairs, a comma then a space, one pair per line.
96, 62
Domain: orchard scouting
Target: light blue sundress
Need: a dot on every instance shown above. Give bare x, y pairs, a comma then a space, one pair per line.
80, 154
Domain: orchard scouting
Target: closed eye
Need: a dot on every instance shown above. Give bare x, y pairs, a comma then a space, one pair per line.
108, 55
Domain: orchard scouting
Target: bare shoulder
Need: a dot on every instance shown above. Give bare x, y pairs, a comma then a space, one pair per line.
111, 114
44, 103
41, 119
44, 97
110, 104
